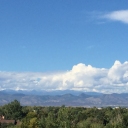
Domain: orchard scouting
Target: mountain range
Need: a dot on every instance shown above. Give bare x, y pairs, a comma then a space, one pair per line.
65, 97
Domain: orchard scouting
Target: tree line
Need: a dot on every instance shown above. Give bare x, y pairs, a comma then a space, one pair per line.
63, 117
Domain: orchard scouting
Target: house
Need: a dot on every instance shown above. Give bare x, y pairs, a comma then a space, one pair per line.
3, 120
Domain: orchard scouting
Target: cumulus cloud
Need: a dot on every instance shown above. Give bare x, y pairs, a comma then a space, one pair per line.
121, 15
80, 77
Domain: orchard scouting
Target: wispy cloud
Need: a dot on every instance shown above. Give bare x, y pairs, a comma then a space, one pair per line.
121, 15
80, 77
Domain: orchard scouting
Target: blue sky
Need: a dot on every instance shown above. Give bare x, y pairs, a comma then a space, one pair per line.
55, 35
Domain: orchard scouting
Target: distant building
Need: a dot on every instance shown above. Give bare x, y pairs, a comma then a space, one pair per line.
3, 120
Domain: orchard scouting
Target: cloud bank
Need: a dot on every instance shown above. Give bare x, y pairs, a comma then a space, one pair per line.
121, 15
80, 77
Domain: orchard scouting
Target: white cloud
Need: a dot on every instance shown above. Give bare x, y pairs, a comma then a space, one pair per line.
121, 15
80, 77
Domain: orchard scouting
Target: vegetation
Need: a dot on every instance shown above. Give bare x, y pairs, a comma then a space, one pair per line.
63, 117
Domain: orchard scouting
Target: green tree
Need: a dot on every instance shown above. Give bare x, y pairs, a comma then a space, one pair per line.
13, 110
51, 121
64, 118
42, 122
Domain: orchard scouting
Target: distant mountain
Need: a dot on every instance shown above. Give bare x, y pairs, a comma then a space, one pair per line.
51, 93
67, 99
